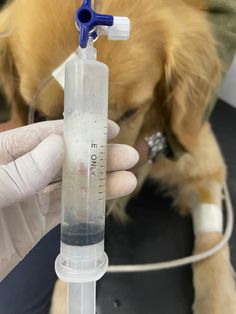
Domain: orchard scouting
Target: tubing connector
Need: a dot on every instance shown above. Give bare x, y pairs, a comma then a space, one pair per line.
92, 24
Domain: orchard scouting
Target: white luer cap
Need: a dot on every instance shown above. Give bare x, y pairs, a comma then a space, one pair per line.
120, 30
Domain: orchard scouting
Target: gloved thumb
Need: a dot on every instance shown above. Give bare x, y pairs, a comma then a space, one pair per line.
32, 172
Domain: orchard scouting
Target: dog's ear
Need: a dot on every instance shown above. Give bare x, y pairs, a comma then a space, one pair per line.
191, 74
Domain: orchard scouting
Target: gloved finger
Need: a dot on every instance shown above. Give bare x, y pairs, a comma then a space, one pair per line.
32, 172
113, 129
17, 142
121, 157
143, 149
120, 183
9, 257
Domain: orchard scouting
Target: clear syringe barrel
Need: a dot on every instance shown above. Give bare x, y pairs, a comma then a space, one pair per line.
84, 171
82, 257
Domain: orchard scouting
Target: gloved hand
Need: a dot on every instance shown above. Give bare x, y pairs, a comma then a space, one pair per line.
30, 158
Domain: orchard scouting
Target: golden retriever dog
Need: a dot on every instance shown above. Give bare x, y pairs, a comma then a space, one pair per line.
161, 79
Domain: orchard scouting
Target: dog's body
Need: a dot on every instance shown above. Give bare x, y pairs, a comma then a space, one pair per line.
167, 71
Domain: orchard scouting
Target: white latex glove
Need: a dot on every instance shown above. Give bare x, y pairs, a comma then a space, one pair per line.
30, 158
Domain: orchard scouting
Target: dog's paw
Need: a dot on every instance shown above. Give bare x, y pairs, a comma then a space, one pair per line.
59, 299
117, 208
224, 304
214, 283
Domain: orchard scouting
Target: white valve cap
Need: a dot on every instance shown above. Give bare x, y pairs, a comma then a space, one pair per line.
120, 30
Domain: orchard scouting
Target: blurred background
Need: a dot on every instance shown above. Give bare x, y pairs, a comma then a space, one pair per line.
228, 92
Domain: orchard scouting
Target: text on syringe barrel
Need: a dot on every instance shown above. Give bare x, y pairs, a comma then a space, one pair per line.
84, 170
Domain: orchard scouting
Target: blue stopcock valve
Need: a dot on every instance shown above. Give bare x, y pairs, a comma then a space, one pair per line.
92, 24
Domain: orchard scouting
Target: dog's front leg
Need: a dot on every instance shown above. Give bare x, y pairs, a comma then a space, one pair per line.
214, 277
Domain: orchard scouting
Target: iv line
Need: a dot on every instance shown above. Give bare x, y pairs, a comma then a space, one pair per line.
186, 260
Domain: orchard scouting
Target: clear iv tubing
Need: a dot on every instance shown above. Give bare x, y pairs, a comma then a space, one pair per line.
186, 260
82, 260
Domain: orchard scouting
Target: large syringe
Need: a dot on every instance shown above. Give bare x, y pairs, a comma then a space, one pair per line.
82, 260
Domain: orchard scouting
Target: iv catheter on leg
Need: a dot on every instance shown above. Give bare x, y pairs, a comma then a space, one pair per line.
82, 260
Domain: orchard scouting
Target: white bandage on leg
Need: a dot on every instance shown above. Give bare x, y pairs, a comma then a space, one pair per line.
59, 73
207, 218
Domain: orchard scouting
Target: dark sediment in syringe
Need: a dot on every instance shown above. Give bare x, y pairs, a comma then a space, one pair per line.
82, 234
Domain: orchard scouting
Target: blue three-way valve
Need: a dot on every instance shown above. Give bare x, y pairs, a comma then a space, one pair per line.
92, 24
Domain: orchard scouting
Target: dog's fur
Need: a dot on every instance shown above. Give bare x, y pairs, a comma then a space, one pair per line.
167, 70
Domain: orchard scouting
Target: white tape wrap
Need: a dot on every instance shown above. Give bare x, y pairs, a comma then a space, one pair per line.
207, 218
59, 73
